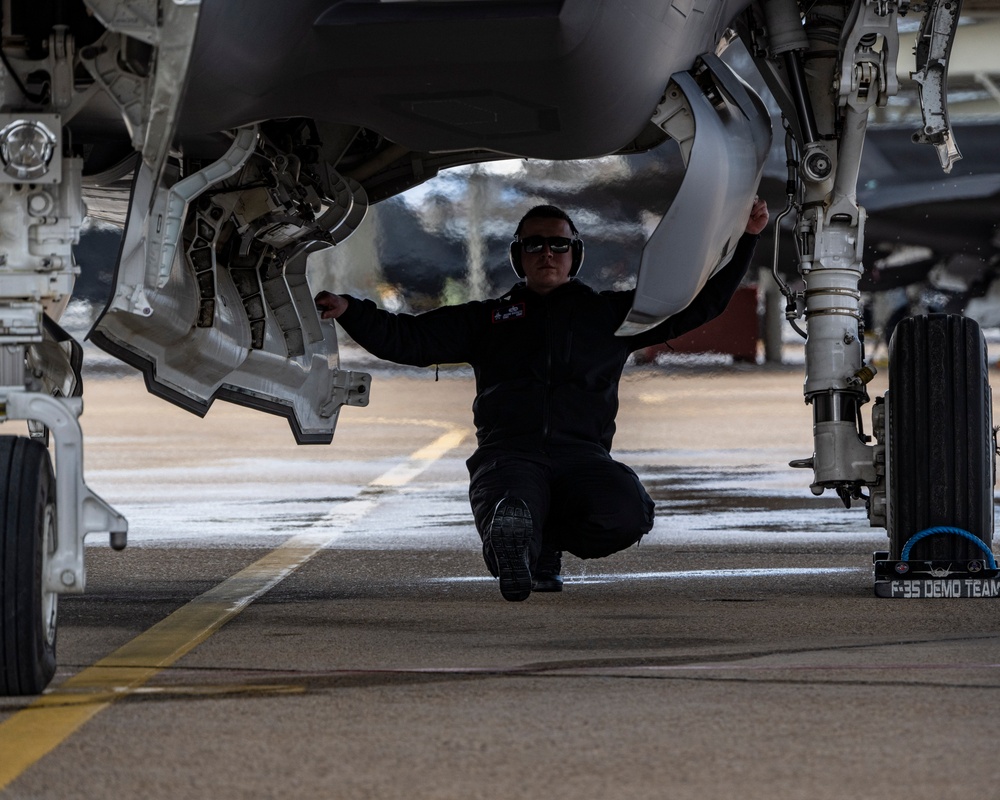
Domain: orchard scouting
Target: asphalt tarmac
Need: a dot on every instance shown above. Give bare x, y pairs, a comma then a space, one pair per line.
316, 622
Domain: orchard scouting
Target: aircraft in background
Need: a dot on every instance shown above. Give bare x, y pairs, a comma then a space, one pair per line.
241, 137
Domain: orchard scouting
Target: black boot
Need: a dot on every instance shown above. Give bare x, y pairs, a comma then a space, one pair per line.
506, 545
547, 577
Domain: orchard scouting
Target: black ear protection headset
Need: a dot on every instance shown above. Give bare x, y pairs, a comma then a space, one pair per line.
576, 243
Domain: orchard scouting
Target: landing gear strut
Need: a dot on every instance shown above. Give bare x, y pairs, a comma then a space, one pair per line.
929, 476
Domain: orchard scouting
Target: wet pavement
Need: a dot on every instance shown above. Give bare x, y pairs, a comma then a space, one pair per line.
363, 651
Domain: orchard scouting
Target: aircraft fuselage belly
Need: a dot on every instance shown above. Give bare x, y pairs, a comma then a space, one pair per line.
547, 79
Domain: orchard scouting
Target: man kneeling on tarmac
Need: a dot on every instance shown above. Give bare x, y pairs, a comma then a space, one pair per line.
547, 366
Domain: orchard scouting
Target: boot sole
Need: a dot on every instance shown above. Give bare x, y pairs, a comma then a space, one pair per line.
510, 535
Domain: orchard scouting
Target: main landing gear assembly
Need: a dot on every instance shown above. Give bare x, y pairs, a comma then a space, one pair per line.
44, 513
928, 475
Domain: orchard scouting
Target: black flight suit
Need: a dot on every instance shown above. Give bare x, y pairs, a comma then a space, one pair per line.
547, 369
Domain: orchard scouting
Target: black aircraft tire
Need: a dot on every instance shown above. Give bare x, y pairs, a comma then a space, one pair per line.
941, 449
27, 525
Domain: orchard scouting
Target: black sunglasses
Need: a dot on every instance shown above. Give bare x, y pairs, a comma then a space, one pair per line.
535, 244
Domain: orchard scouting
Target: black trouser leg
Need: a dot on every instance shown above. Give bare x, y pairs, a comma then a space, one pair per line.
588, 505
598, 507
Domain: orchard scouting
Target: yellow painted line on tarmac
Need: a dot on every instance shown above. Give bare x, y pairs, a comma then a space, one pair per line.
421, 459
30, 734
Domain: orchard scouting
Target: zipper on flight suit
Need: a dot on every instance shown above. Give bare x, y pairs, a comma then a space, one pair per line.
548, 373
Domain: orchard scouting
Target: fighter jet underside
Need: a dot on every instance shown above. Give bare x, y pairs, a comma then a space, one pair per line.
237, 138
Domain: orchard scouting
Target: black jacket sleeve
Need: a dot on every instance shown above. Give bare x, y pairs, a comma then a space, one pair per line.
710, 301
442, 336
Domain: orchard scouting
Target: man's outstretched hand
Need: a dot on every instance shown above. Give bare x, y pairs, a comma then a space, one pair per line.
330, 305
758, 216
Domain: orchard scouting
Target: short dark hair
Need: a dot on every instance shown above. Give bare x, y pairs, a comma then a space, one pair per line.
546, 212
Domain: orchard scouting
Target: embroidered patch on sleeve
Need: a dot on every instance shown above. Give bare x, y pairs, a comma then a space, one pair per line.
505, 313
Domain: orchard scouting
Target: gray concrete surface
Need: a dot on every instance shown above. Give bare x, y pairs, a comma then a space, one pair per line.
737, 652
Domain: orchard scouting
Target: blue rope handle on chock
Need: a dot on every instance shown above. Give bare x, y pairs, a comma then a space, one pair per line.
905, 555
